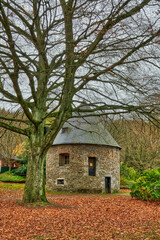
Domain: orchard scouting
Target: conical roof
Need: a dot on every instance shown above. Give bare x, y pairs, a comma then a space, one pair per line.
85, 130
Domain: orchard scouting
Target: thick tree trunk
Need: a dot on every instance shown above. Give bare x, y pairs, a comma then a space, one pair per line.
35, 183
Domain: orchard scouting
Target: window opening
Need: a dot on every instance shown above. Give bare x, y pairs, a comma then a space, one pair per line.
92, 166
63, 159
65, 130
60, 181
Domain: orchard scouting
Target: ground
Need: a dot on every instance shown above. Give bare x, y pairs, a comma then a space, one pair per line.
84, 217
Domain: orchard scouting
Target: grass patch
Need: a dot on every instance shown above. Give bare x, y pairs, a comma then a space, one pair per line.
90, 194
6, 177
11, 186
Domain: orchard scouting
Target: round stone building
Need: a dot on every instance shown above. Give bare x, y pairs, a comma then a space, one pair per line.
83, 158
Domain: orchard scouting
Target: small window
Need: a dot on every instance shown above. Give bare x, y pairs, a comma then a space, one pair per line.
63, 159
92, 166
60, 181
65, 130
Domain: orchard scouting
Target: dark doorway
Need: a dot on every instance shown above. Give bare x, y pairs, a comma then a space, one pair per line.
108, 184
92, 166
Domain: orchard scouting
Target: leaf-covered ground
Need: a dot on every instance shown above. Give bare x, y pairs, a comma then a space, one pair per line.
85, 217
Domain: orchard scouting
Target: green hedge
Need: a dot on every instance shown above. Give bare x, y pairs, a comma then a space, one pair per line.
6, 169
6, 177
147, 187
20, 171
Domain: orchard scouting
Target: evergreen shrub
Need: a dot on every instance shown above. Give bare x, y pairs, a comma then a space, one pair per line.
128, 175
147, 187
20, 171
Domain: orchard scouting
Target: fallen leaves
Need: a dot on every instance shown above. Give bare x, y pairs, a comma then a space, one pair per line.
85, 217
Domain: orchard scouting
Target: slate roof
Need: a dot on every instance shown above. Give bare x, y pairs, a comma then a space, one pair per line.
88, 130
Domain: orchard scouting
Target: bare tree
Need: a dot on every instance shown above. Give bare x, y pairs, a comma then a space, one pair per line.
8, 142
58, 54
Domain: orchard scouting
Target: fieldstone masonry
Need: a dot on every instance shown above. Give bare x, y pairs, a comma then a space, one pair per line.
74, 176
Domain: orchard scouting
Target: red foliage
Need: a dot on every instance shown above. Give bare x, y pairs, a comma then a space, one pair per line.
85, 217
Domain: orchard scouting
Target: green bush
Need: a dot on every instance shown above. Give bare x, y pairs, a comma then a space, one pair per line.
128, 175
123, 181
6, 177
147, 187
20, 171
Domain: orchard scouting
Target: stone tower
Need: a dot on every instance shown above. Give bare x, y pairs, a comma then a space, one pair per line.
83, 158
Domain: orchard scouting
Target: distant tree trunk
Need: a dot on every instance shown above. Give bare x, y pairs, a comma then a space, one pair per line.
10, 166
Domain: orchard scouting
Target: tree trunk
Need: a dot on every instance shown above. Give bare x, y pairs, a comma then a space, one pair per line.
10, 165
35, 183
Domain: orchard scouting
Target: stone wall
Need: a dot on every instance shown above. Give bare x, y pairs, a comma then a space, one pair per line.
75, 174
